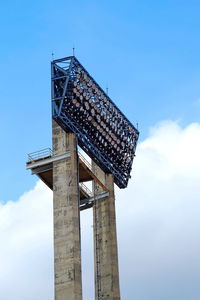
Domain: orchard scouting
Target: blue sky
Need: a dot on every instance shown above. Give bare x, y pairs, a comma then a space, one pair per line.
147, 52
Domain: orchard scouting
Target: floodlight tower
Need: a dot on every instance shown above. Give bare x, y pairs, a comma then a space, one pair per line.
84, 115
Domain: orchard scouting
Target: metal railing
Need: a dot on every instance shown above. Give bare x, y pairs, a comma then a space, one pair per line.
44, 153
85, 161
47, 152
85, 189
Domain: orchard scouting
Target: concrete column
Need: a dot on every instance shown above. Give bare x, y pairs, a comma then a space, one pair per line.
67, 249
105, 241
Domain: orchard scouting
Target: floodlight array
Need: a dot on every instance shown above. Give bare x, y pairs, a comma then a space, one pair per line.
81, 106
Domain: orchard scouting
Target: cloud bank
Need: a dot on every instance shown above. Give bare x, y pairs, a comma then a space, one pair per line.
158, 228
26, 235
157, 220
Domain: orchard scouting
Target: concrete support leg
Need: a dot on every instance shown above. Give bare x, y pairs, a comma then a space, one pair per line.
67, 249
105, 242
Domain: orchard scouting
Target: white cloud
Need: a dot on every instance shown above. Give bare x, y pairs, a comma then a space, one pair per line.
26, 246
157, 219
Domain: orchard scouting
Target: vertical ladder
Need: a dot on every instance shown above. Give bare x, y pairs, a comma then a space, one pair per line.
97, 252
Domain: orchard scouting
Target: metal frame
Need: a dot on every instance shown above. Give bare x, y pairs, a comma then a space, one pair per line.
73, 112
44, 153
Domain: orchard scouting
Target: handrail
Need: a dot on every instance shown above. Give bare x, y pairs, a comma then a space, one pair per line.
85, 161
85, 189
40, 154
44, 153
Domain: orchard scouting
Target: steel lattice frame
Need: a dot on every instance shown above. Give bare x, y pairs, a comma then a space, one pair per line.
79, 105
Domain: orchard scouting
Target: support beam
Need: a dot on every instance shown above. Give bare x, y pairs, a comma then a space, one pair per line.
105, 241
67, 249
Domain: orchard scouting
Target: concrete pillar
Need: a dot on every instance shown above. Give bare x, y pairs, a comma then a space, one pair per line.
105, 241
67, 249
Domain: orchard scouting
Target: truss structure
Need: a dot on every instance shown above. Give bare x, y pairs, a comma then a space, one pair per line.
79, 105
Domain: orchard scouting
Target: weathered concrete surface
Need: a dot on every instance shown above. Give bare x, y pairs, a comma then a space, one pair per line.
67, 254
105, 241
